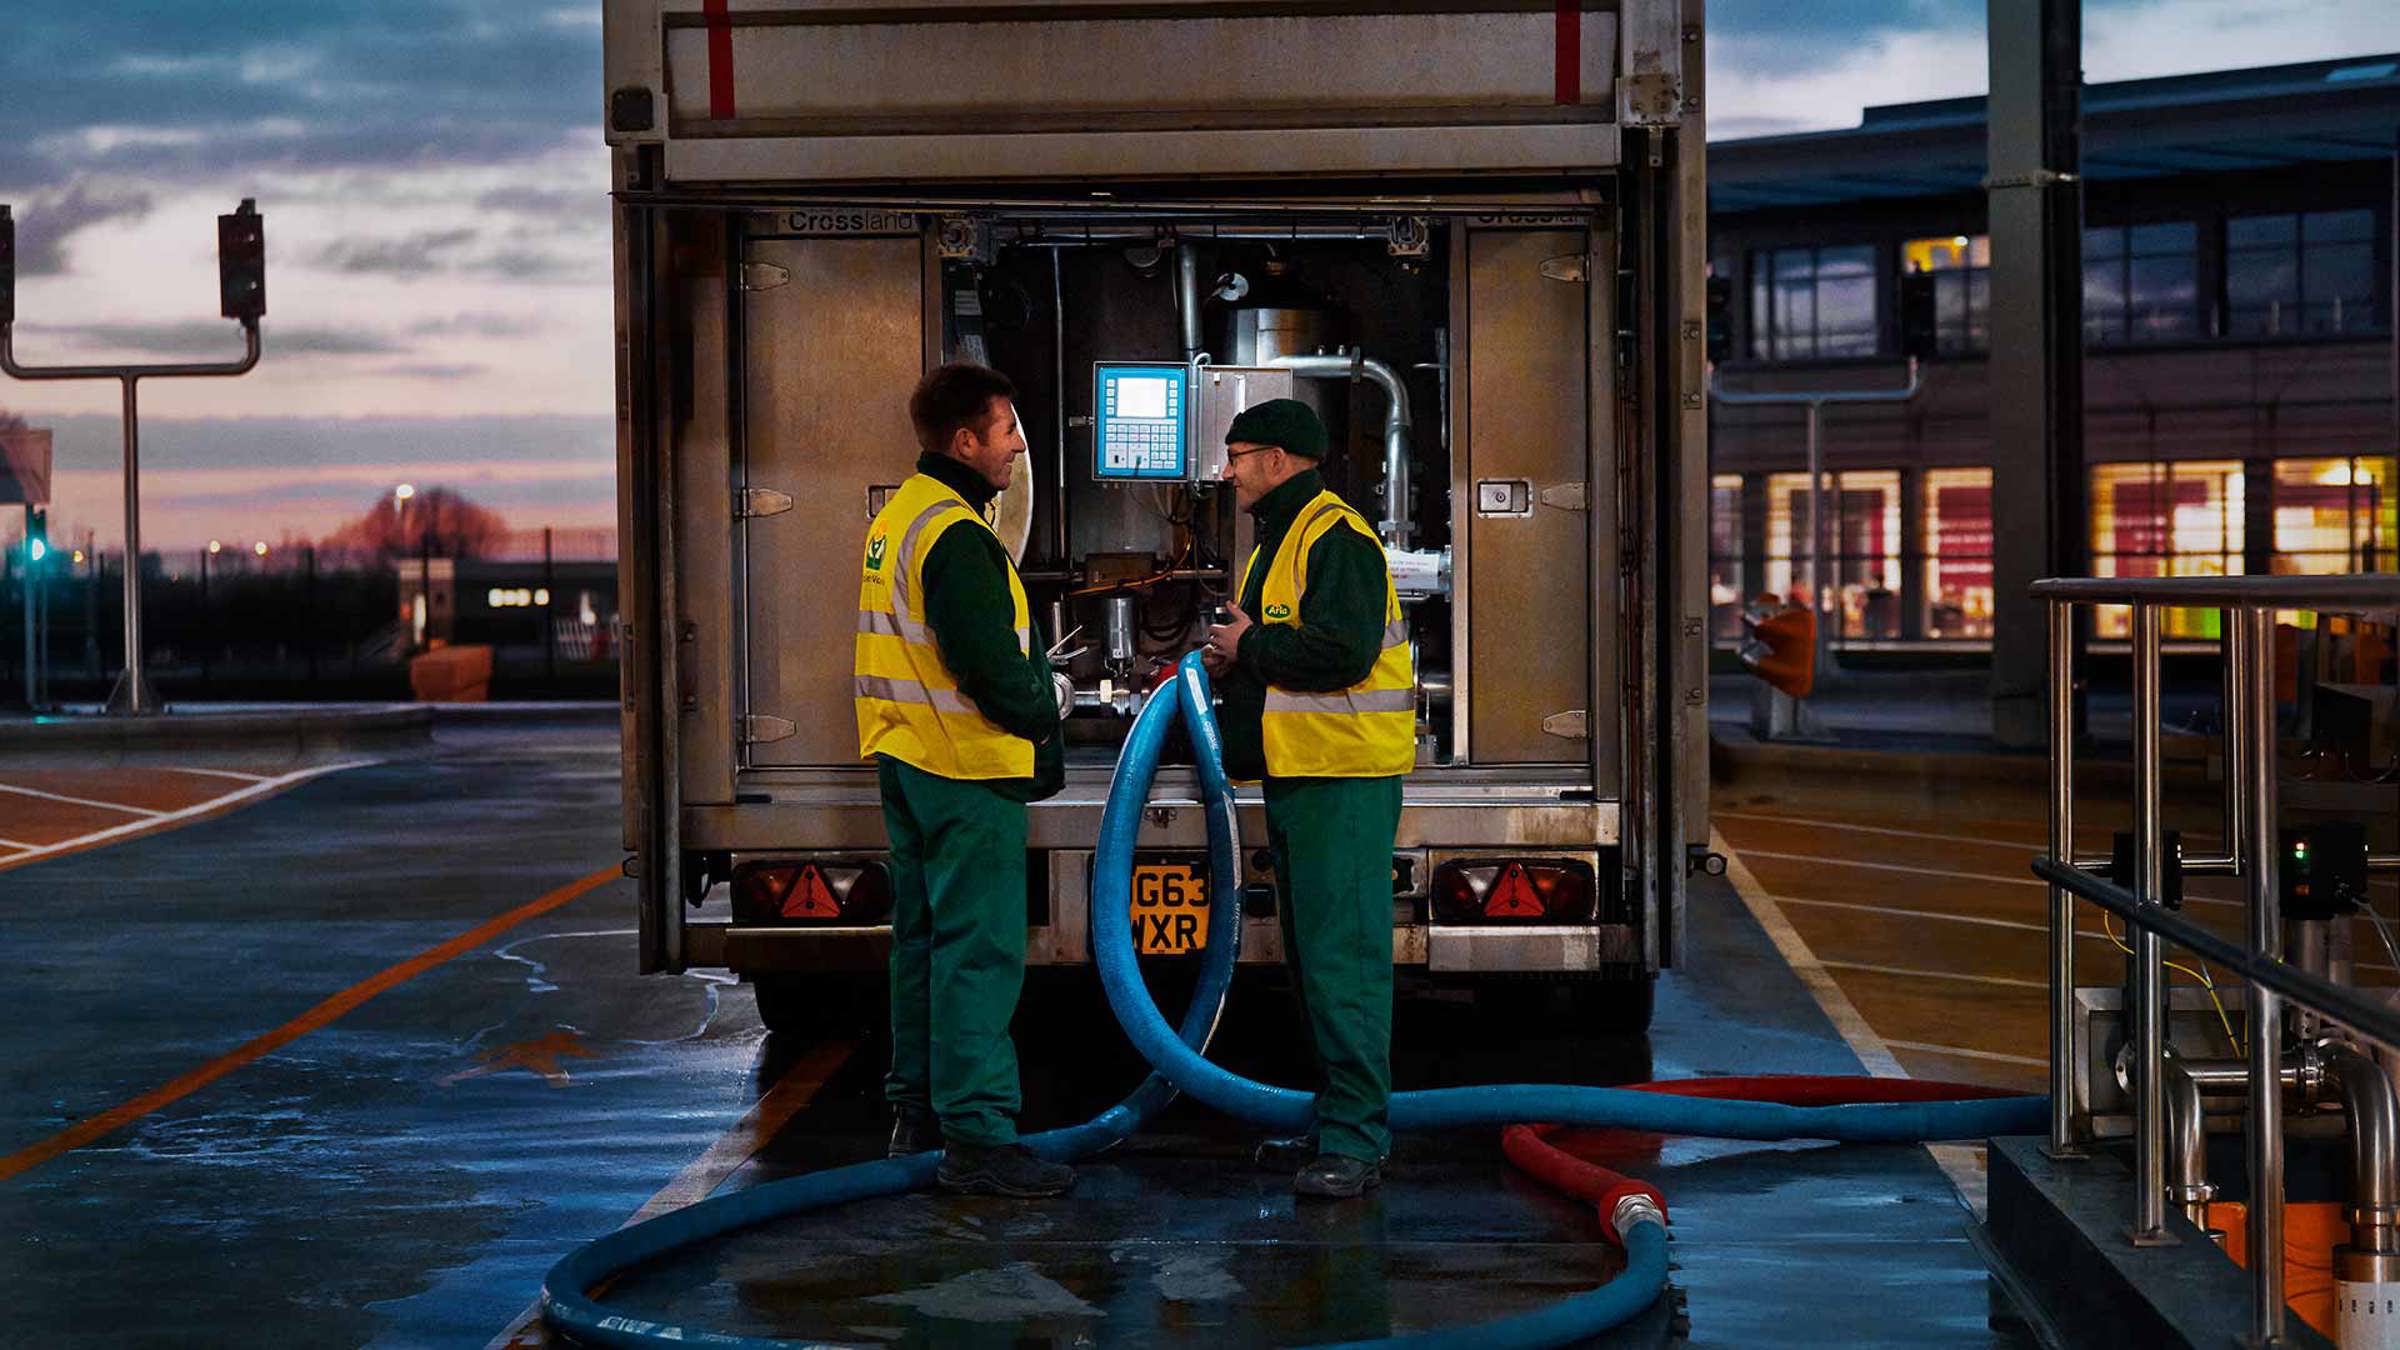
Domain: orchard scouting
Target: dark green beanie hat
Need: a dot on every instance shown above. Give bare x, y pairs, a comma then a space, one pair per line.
1280, 421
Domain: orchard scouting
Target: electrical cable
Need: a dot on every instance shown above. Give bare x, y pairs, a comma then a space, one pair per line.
2206, 982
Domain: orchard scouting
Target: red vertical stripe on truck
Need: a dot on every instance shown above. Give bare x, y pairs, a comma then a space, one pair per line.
720, 60
1567, 53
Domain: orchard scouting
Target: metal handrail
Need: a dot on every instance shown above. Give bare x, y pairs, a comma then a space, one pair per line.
2323, 594
2247, 608
2320, 996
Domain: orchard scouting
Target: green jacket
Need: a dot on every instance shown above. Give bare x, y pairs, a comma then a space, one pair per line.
968, 608
1336, 641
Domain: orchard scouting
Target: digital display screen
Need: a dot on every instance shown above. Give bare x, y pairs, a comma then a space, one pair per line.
1141, 431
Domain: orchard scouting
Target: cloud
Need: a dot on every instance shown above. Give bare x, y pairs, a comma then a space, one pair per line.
46, 219
531, 201
206, 339
476, 325
429, 370
404, 255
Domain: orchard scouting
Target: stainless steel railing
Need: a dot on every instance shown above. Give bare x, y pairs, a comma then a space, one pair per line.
2248, 606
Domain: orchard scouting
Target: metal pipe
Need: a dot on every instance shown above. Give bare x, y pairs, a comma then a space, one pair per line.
2187, 1147
2265, 1141
2237, 750
2062, 903
1187, 296
2374, 1211
2351, 594
2149, 973
1396, 527
1058, 416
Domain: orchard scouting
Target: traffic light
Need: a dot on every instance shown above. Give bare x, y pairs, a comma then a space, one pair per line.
242, 263
1782, 648
1919, 321
37, 534
8, 267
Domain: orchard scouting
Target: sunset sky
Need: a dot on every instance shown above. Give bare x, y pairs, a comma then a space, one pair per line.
434, 185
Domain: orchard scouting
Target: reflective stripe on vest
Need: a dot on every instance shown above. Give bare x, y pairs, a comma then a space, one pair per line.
1366, 731
908, 703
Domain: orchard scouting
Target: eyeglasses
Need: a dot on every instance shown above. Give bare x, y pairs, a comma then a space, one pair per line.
1254, 450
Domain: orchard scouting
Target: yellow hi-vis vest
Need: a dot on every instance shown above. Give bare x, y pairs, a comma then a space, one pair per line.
908, 705
1366, 731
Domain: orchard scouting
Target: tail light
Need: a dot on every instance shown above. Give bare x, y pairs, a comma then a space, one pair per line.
1513, 890
793, 891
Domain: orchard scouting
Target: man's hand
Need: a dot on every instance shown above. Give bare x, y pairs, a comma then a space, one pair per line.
1225, 641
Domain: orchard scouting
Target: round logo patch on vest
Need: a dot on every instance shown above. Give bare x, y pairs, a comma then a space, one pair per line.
1278, 612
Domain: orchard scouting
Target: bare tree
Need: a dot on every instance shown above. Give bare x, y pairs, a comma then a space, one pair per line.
437, 520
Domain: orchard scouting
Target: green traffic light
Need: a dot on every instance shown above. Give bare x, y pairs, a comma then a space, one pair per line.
36, 550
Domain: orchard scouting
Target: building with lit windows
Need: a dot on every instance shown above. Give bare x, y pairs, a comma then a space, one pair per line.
2238, 261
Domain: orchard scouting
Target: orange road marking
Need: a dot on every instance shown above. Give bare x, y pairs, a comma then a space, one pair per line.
791, 1094
125, 1113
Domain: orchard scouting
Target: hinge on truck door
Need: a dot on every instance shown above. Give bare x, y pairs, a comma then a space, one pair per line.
763, 728
1568, 496
1567, 726
1564, 267
764, 276
761, 502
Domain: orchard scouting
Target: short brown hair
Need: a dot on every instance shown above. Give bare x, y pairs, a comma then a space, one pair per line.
953, 396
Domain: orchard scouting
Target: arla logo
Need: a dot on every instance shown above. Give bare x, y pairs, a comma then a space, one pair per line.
875, 552
1279, 611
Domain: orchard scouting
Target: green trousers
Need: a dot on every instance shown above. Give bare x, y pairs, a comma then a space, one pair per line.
1333, 863
958, 949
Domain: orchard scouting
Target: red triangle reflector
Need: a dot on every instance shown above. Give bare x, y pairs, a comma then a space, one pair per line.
1513, 897
810, 897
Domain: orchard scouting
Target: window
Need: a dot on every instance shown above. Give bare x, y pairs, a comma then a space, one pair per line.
2335, 515
1962, 289
1725, 596
2141, 284
2289, 275
2179, 519
1862, 561
1958, 553
1812, 302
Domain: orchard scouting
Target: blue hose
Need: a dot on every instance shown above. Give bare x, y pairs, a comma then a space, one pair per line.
1177, 1058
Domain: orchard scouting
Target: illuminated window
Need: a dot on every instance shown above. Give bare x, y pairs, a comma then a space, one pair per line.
2141, 283
2335, 515
1725, 596
2176, 519
1962, 288
2305, 273
1812, 302
1862, 559
1958, 553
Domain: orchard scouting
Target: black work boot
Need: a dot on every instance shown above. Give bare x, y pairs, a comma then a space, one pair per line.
1285, 1155
914, 1130
1010, 1170
1336, 1176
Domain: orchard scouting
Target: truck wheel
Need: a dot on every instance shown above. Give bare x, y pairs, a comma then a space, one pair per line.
821, 1004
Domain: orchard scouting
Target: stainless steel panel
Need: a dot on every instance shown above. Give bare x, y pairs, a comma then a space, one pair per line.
906, 69
1540, 148
1559, 947
831, 358
1528, 588
705, 636
1224, 392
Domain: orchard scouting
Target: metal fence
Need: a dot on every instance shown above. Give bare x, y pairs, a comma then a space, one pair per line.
2248, 607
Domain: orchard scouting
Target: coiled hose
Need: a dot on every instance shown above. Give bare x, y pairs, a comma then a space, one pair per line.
1629, 1209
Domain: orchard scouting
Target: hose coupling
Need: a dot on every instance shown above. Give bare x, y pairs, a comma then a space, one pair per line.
1633, 1209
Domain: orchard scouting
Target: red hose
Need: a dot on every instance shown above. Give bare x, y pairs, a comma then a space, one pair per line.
1529, 1146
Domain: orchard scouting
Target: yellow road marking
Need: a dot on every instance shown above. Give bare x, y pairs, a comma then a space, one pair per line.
159, 821
125, 1113
762, 1122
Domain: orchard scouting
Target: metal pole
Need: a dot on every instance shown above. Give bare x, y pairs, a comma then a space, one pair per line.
2149, 984
549, 610
32, 695
2265, 1141
2063, 1142
208, 630
2232, 725
132, 694
1816, 537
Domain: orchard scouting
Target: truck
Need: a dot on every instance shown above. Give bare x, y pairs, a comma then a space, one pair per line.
1468, 232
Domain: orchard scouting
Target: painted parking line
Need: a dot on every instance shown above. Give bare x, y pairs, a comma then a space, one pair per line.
79, 801
762, 1122
163, 820
1964, 1052
223, 773
1917, 974
323, 1014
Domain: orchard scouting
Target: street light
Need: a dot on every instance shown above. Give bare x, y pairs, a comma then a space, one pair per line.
259, 548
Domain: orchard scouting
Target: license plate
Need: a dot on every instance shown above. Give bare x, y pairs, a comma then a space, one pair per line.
1170, 909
